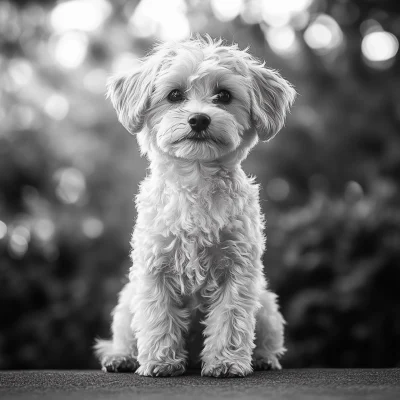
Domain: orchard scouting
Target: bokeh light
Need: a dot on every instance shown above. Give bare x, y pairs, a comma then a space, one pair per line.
278, 189
174, 28
353, 192
95, 80
56, 107
3, 230
163, 19
324, 34
251, 12
379, 46
226, 10
44, 229
279, 13
70, 49
71, 185
19, 241
92, 227
84, 15
20, 72
282, 40
126, 61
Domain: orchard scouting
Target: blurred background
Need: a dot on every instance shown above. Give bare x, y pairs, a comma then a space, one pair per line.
330, 180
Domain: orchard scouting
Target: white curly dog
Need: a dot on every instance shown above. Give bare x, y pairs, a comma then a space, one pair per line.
196, 288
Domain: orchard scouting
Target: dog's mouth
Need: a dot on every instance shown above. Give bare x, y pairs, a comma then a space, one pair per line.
199, 137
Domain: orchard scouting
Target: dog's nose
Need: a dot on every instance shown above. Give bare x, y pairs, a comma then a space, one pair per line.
199, 122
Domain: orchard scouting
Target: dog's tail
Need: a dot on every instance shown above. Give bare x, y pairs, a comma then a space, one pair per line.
102, 348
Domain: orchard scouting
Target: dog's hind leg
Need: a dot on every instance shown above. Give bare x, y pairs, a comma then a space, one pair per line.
269, 339
120, 353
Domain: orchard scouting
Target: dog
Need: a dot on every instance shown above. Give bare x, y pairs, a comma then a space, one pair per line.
196, 287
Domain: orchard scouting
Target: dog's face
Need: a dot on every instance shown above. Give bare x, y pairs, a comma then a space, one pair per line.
200, 100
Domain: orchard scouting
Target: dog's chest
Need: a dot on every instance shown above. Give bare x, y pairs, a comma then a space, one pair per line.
181, 227
195, 213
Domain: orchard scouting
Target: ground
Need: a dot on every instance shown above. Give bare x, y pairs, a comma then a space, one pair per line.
302, 384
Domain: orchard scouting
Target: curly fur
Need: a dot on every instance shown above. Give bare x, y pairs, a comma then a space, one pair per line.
198, 241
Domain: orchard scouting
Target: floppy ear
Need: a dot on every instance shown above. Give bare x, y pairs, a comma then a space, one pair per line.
271, 98
130, 95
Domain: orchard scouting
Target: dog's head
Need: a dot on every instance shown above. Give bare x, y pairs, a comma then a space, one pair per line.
201, 100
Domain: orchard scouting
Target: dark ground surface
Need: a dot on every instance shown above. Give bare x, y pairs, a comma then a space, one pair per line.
286, 384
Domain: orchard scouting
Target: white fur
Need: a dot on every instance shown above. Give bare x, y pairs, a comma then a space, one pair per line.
198, 240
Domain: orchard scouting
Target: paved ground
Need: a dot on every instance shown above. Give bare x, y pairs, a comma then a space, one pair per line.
374, 384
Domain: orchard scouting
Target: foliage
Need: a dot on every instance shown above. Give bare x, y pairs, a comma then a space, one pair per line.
339, 285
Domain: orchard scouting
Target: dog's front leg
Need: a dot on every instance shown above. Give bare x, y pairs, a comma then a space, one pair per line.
230, 323
160, 323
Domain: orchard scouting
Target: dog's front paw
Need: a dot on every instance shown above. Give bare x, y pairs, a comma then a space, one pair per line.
161, 369
226, 369
263, 364
120, 364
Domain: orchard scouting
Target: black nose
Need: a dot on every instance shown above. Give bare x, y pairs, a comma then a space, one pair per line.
199, 122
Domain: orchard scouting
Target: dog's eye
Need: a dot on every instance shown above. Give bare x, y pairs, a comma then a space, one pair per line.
175, 96
223, 97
